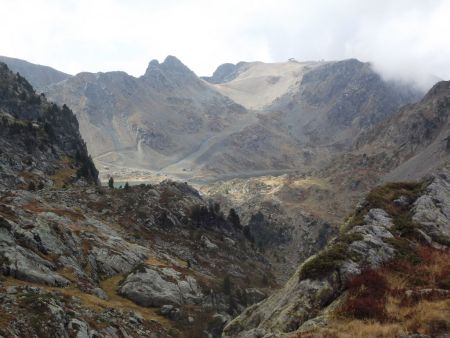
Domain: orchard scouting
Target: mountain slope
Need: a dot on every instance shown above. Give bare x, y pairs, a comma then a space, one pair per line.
336, 100
39, 76
416, 138
410, 144
149, 121
297, 116
319, 117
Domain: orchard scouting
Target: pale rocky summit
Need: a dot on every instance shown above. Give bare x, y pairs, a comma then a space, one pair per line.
311, 114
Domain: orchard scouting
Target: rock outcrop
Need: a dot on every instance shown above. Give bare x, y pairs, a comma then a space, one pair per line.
392, 222
38, 139
224, 73
156, 287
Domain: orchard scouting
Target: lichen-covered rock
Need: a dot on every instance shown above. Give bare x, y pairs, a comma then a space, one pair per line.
153, 287
208, 244
253, 296
432, 209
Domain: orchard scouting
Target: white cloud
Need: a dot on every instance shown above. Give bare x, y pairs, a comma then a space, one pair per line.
403, 38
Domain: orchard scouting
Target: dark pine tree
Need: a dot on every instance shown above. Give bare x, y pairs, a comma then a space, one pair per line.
111, 183
234, 219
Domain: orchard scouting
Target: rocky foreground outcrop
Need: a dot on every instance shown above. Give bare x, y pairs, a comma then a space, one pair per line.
392, 222
142, 250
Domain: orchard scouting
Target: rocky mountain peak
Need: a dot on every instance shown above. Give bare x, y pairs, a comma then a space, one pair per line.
224, 73
172, 62
171, 65
170, 74
442, 88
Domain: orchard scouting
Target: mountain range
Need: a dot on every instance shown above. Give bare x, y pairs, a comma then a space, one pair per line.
321, 176
252, 117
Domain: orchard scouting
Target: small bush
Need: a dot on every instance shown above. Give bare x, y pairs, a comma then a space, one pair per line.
438, 327
31, 186
234, 219
366, 296
441, 239
443, 280
227, 285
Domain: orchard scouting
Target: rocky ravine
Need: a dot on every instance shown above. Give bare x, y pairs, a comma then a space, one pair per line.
392, 224
279, 225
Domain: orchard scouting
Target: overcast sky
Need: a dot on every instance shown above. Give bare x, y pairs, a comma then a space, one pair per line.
403, 38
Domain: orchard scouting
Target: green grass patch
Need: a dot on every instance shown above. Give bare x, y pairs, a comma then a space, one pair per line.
384, 197
441, 239
324, 262
404, 250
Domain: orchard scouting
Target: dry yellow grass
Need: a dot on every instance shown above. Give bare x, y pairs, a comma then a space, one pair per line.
73, 215
153, 261
420, 318
356, 329
65, 174
427, 315
309, 182
95, 303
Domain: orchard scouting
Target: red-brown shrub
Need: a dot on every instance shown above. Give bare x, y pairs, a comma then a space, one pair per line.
368, 282
366, 296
